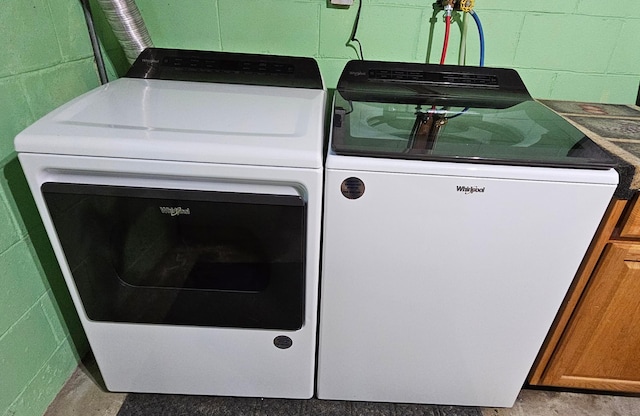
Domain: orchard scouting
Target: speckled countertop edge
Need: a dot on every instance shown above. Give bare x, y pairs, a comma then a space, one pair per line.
629, 166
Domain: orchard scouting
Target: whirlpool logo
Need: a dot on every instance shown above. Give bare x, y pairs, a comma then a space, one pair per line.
470, 189
175, 211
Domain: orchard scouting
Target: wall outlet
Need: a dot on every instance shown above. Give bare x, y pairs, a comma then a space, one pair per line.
342, 2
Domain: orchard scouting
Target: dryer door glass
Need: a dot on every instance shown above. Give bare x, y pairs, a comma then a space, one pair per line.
183, 257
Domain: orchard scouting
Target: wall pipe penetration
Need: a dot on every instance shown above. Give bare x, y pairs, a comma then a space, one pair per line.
127, 24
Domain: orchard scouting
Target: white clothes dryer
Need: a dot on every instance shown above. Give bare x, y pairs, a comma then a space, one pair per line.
183, 203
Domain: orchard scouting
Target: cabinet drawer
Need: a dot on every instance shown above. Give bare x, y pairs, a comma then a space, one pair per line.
631, 222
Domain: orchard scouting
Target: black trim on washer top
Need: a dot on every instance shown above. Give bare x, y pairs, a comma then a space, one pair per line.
227, 68
402, 82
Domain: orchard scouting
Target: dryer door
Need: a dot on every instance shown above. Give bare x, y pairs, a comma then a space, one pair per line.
183, 257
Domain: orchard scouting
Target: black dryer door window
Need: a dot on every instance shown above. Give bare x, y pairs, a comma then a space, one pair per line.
176, 257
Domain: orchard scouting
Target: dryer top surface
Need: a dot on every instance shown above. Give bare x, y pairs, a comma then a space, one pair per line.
186, 121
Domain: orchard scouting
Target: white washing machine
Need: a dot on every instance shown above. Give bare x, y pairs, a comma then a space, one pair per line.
183, 203
457, 211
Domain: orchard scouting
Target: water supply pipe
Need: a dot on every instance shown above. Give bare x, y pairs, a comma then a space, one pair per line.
128, 26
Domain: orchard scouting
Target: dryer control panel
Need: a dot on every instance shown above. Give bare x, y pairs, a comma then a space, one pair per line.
227, 68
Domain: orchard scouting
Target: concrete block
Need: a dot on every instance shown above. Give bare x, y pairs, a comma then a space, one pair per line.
15, 114
390, 33
543, 6
626, 53
28, 37
335, 30
46, 384
270, 27
174, 24
538, 81
71, 29
9, 234
22, 284
557, 42
502, 32
613, 89
628, 9
49, 88
24, 350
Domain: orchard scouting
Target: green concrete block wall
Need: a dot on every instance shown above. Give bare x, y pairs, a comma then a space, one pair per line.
572, 49
46, 61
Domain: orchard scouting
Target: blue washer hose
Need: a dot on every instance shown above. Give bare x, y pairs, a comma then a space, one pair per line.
480, 33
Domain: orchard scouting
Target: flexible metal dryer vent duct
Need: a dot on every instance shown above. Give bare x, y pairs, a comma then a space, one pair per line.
127, 24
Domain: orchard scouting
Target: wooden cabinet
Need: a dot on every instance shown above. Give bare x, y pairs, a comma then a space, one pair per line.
595, 341
631, 223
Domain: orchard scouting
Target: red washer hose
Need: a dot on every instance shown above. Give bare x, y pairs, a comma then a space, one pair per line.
446, 39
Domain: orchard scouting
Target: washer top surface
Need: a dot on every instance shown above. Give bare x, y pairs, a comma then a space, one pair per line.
453, 114
176, 120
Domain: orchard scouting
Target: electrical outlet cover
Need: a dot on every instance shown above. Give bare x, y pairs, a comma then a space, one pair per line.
342, 2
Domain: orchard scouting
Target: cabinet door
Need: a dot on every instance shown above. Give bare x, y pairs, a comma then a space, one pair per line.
600, 348
631, 227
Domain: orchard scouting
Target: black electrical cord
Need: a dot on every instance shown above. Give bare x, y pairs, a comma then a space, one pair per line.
95, 44
464, 110
351, 110
355, 30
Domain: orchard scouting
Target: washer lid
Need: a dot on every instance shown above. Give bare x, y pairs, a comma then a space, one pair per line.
186, 121
454, 114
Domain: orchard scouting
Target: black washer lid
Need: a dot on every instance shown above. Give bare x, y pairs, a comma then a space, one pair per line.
453, 114
227, 68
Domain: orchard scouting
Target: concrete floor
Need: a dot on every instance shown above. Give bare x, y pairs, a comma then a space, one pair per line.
84, 395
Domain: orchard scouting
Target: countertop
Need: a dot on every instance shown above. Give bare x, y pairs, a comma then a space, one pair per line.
615, 128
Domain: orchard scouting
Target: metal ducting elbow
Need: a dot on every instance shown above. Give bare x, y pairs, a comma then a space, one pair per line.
127, 24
